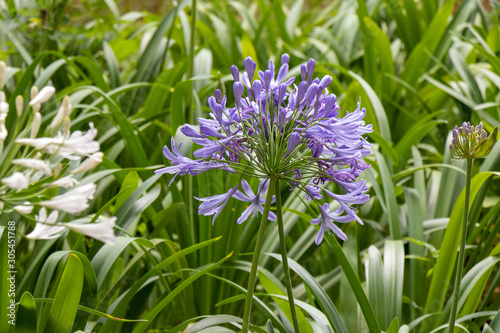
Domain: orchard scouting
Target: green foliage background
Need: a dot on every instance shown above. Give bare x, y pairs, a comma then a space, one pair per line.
420, 67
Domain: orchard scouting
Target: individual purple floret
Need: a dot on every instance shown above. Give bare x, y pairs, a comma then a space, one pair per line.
277, 128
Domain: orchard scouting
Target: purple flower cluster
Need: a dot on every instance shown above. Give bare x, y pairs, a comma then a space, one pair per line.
284, 130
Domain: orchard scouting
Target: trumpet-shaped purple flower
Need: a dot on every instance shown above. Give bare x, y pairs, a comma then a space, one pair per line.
214, 205
256, 200
325, 219
291, 131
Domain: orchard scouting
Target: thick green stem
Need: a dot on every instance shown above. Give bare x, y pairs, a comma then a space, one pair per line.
289, 291
461, 255
256, 255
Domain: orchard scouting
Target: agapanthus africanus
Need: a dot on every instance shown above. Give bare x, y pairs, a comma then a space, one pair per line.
279, 132
291, 131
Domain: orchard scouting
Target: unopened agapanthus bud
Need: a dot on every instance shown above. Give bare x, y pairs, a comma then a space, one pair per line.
250, 67
469, 142
303, 72
2, 97
257, 88
25, 208
311, 64
43, 95
301, 91
218, 96
310, 94
235, 72
16, 181
19, 105
325, 82
63, 112
66, 127
35, 125
238, 92
3, 69
285, 58
33, 92
292, 143
268, 75
90, 163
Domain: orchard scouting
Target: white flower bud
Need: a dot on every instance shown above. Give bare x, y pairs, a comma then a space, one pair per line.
25, 208
2, 97
90, 163
72, 202
66, 182
34, 163
43, 95
102, 231
19, 105
63, 112
33, 92
16, 181
35, 126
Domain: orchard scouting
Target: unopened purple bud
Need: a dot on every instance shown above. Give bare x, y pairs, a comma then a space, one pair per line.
235, 72
301, 91
483, 136
210, 131
256, 88
479, 127
292, 143
303, 71
250, 67
316, 80
191, 132
325, 82
212, 103
282, 118
267, 79
281, 93
218, 95
467, 132
454, 142
271, 67
455, 133
285, 58
238, 92
282, 73
311, 93
310, 69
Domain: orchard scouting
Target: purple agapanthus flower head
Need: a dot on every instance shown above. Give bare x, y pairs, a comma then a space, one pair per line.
283, 129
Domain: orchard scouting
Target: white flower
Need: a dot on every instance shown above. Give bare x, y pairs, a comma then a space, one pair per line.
44, 230
43, 95
89, 163
34, 163
72, 202
77, 144
17, 181
4, 108
3, 131
25, 208
102, 231
66, 182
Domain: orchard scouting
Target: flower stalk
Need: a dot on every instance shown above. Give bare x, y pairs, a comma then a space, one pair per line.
284, 256
256, 255
461, 255
468, 143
